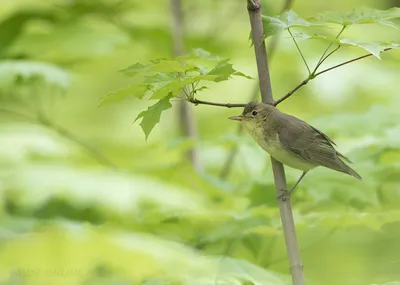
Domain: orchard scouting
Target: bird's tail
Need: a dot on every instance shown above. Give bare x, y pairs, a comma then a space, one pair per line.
348, 170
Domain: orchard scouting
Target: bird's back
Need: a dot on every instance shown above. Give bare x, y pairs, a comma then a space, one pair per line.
308, 143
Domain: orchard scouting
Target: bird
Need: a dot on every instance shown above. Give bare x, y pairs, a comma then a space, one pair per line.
292, 141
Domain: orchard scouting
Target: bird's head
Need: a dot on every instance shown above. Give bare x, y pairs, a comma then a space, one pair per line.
254, 114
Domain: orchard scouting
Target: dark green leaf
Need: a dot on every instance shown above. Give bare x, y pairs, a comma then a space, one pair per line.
152, 115
223, 69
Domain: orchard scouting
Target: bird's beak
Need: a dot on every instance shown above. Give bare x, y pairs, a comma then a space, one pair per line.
236, 118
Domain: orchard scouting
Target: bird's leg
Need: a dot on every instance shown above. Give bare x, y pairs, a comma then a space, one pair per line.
288, 192
298, 181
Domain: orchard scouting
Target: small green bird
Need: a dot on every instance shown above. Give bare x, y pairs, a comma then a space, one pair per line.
292, 141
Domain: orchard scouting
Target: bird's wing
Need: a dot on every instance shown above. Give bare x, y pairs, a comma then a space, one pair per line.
308, 143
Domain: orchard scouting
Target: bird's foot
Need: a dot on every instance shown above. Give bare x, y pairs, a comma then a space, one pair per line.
285, 194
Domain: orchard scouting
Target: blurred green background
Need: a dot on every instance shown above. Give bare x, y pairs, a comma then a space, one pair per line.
84, 199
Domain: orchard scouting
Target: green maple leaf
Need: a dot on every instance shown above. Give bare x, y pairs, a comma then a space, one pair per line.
374, 48
362, 15
151, 116
288, 19
137, 90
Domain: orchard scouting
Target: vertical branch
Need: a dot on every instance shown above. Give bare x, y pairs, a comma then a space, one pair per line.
296, 267
186, 119
228, 164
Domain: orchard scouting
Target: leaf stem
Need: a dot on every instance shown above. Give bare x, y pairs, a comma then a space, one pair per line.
328, 55
301, 54
322, 59
347, 62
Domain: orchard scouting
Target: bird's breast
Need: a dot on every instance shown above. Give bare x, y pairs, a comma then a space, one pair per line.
271, 144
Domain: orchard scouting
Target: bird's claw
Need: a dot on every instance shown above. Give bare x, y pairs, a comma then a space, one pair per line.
285, 195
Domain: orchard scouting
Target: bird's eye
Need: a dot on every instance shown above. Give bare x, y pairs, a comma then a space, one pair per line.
254, 113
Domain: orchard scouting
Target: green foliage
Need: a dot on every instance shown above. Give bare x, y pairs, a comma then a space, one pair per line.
152, 115
167, 79
15, 72
154, 220
290, 19
362, 15
374, 48
12, 27
22, 80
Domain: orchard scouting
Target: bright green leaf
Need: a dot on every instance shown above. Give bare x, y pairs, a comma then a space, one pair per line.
136, 68
190, 80
171, 66
160, 78
374, 48
135, 90
363, 15
152, 115
238, 73
223, 69
175, 87
172, 89
288, 19
201, 53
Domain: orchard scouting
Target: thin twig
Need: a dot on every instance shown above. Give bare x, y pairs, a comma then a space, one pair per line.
319, 73
95, 154
227, 105
292, 91
347, 62
301, 54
